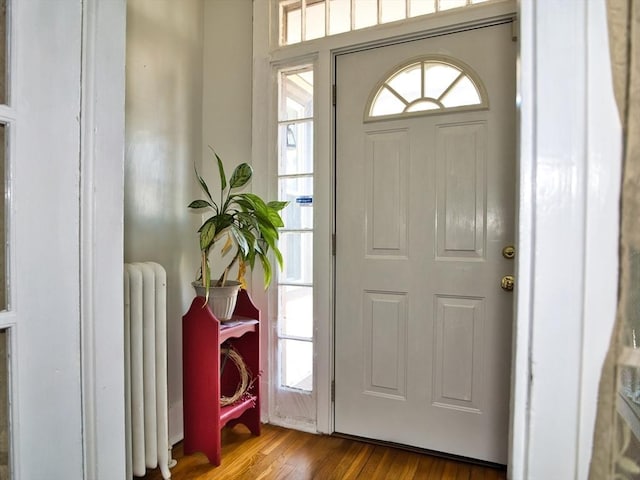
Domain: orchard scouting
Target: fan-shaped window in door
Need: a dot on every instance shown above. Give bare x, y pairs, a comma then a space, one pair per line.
427, 85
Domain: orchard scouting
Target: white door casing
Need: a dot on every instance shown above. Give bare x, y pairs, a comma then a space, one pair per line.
424, 206
45, 184
66, 241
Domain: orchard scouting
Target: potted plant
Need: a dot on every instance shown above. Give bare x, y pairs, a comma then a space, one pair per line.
240, 220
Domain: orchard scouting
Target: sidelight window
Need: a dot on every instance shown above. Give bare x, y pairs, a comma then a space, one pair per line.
295, 185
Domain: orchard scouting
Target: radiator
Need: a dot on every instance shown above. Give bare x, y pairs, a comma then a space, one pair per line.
146, 409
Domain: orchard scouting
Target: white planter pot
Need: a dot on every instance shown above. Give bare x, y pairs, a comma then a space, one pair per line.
222, 300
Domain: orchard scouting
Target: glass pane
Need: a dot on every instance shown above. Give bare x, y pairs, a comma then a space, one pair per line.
632, 308
291, 22
463, 93
408, 82
296, 148
630, 374
296, 95
296, 311
296, 364
421, 7
437, 78
393, 10
3, 53
297, 251
339, 16
423, 105
386, 103
3, 230
315, 20
5, 444
299, 191
449, 4
365, 13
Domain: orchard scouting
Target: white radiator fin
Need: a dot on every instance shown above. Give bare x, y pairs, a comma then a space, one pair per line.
145, 317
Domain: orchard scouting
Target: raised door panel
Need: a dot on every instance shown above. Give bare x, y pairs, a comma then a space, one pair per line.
461, 190
386, 180
385, 343
459, 324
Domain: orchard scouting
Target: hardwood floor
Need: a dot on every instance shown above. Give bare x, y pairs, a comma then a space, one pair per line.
281, 454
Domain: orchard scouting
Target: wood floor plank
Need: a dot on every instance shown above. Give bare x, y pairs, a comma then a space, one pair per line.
281, 454
356, 464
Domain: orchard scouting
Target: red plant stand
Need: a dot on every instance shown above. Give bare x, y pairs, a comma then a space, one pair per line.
202, 335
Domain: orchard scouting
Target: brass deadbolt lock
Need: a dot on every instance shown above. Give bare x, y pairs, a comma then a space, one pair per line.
509, 252
507, 282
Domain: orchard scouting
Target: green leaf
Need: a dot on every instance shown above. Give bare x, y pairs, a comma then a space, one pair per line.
251, 258
241, 241
200, 204
223, 220
266, 266
277, 206
248, 221
202, 183
269, 234
254, 205
250, 238
256, 200
223, 177
279, 258
246, 205
241, 175
275, 218
207, 233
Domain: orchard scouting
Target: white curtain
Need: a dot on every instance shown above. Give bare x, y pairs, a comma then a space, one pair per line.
616, 447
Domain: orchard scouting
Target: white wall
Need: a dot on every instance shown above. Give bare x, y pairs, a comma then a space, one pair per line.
163, 140
226, 94
227, 117
188, 86
569, 187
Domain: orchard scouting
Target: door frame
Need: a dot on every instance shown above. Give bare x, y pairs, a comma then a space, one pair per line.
542, 27
267, 56
101, 216
88, 378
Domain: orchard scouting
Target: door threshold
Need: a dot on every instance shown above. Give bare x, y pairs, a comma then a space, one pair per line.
423, 451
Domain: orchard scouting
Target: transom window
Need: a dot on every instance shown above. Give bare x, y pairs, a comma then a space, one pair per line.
302, 20
427, 85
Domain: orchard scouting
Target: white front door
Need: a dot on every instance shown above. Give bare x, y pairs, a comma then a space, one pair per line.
424, 207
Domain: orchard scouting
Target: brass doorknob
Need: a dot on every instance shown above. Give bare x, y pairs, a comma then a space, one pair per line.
507, 282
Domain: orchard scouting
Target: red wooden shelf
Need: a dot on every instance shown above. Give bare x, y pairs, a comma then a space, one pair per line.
231, 412
237, 327
202, 335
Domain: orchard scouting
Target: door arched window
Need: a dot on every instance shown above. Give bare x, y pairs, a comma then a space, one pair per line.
431, 84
